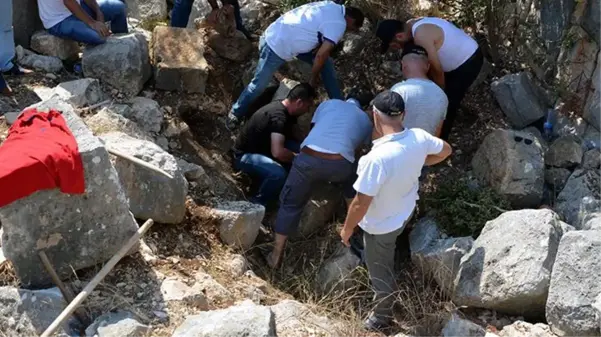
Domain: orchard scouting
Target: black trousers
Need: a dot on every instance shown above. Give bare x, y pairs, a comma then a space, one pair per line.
457, 82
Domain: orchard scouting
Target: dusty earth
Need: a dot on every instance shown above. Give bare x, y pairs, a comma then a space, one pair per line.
183, 249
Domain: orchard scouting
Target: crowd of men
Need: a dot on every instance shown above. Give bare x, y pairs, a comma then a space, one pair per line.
406, 126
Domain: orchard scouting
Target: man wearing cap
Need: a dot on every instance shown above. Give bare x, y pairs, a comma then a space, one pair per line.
387, 190
455, 57
339, 129
425, 102
308, 33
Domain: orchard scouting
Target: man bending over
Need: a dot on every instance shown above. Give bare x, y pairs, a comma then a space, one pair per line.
327, 155
425, 102
308, 33
83, 20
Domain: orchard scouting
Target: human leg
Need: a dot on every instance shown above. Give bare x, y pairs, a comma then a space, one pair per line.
74, 29
114, 11
269, 62
379, 258
7, 41
238, 17
271, 174
328, 75
181, 13
457, 83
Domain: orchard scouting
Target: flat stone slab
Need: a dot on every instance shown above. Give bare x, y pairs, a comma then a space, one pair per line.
178, 60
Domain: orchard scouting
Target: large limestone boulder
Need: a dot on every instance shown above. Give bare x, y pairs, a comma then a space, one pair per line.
75, 231
50, 45
441, 259
117, 324
525, 329
151, 194
178, 59
457, 326
512, 163
29, 312
200, 9
520, 99
174, 290
240, 222
577, 61
246, 319
592, 108
589, 215
575, 283
336, 272
107, 121
319, 211
235, 48
509, 266
27, 58
147, 10
79, 93
293, 319
564, 152
122, 62
147, 113
581, 184
26, 20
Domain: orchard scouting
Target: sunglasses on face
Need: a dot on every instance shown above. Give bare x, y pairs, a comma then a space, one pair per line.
526, 140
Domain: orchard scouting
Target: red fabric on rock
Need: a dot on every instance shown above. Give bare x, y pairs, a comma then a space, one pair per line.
39, 153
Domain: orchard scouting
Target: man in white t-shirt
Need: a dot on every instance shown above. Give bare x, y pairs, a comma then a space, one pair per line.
308, 33
83, 20
387, 191
425, 102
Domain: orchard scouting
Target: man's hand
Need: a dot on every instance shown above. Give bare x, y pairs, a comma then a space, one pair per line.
101, 28
100, 16
345, 235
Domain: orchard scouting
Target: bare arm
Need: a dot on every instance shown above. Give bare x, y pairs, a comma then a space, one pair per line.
75, 8
323, 53
278, 151
94, 6
424, 37
434, 159
356, 212
438, 129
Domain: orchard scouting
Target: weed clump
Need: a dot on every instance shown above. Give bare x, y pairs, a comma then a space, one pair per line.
461, 209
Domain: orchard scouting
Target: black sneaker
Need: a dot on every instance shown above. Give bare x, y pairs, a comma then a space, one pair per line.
373, 323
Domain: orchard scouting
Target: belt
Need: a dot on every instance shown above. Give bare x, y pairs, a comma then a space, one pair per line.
327, 156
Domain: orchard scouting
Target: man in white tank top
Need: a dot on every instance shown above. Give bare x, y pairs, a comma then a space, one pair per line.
455, 58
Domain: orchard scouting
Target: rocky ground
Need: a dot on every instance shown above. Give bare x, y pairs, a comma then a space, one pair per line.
202, 262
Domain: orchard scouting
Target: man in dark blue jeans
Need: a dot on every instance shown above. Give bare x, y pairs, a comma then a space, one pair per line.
182, 8
262, 150
83, 20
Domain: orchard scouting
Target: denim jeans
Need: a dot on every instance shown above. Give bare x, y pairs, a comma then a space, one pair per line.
269, 63
180, 14
271, 173
7, 41
75, 29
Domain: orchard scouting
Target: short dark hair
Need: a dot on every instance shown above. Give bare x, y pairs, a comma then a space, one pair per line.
303, 91
356, 14
364, 97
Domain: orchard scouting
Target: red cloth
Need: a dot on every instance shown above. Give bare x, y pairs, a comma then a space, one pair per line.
39, 153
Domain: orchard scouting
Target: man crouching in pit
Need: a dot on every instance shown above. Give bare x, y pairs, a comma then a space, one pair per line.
339, 129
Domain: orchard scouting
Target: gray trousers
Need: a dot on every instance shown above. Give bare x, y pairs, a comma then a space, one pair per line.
379, 258
306, 174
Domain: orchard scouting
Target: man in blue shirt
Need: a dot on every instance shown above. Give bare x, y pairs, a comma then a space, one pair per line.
327, 155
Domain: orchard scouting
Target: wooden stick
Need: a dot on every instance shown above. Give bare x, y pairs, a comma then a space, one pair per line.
97, 279
137, 161
67, 293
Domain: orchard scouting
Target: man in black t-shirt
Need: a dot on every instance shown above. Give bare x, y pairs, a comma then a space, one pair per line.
260, 149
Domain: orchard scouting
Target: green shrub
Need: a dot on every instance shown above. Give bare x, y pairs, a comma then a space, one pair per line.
462, 210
